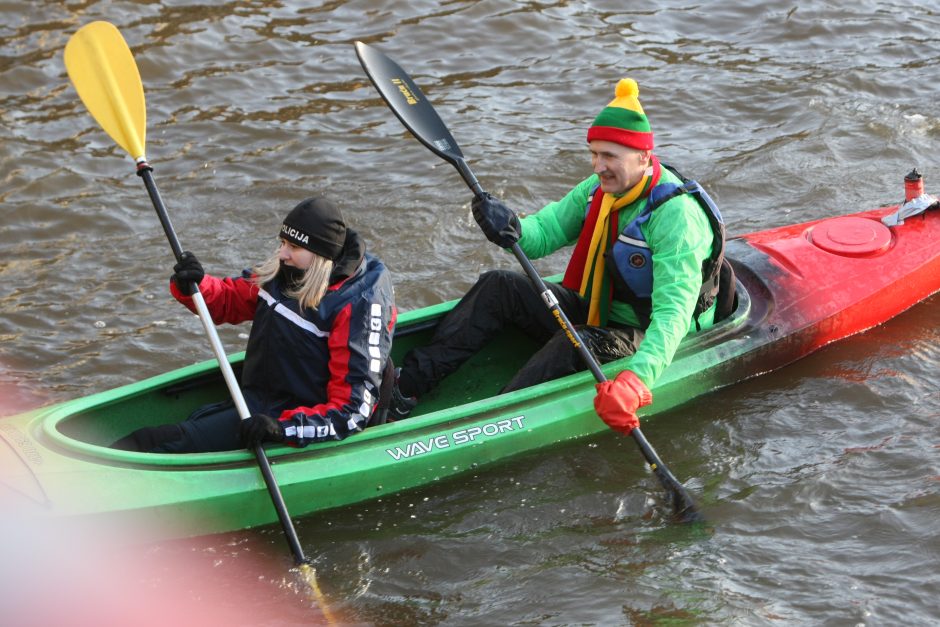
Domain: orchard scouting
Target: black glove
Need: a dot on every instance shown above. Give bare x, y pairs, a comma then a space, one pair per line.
259, 428
187, 271
499, 222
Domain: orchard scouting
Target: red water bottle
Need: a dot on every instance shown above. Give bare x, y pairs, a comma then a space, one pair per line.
913, 185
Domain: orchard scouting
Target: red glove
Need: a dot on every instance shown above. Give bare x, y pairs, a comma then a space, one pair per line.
617, 401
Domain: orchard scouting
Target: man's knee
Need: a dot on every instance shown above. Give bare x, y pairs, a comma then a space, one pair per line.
498, 280
495, 295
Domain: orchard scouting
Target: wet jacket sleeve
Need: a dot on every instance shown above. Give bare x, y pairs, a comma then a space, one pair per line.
680, 239
557, 224
359, 343
230, 300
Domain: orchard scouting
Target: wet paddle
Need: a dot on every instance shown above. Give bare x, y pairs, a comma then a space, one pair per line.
105, 75
409, 104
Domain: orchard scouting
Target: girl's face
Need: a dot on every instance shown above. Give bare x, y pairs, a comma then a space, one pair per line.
293, 255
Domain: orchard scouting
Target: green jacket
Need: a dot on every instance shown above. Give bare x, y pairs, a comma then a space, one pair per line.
680, 239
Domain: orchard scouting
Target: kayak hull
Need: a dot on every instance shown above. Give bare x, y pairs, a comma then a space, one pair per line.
799, 288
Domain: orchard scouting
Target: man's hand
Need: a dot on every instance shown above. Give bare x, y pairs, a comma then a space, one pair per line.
499, 223
617, 401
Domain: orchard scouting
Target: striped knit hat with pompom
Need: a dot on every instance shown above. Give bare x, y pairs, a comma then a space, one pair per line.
623, 121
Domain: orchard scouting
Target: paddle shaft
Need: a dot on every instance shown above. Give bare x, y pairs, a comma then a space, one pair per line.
145, 171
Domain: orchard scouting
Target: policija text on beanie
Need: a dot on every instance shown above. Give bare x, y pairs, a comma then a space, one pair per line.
622, 121
317, 225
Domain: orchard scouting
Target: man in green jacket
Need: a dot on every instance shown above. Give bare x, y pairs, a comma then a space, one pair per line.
634, 285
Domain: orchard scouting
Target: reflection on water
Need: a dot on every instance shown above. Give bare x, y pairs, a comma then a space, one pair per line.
820, 480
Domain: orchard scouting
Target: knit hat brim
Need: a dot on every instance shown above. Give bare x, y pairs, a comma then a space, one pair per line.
632, 139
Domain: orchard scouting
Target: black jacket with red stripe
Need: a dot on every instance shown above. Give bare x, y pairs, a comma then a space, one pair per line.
318, 370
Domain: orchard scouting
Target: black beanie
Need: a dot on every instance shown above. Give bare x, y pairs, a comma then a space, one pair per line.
317, 225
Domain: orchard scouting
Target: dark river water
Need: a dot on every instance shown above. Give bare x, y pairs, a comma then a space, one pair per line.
820, 482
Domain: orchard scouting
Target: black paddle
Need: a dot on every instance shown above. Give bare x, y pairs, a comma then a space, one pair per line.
409, 104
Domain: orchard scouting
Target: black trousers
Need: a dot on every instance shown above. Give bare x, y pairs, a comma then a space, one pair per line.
212, 427
215, 427
502, 299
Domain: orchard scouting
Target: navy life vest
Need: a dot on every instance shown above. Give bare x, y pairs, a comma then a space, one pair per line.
630, 261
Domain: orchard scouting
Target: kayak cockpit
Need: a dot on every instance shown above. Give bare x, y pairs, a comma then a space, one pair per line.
92, 424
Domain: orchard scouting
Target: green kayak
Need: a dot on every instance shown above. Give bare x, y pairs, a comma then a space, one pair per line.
798, 288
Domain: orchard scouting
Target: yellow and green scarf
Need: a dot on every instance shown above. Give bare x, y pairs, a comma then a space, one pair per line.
586, 270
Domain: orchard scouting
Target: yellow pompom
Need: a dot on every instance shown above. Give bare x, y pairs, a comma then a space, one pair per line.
625, 96
627, 88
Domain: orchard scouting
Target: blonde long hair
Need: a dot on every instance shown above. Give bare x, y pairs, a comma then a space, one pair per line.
312, 286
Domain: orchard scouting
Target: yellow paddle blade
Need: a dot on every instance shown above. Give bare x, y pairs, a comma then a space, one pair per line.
309, 574
104, 74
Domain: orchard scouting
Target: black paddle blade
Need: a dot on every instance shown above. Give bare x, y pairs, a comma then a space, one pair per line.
683, 507
405, 99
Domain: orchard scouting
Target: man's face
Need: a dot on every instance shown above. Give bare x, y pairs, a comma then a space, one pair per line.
618, 167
